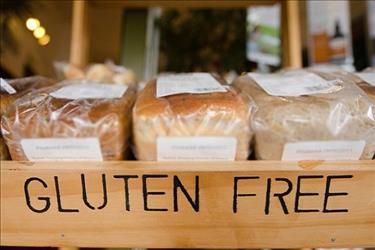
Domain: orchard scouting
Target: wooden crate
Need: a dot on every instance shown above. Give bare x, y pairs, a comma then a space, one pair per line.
252, 204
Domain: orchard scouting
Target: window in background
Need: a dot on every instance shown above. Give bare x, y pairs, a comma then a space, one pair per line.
263, 36
203, 40
133, 51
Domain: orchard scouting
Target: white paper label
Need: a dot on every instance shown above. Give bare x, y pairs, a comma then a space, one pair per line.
323, 150
294, 84
89, 91
196, 148
367, 77
194, 83
62, 149
7, 87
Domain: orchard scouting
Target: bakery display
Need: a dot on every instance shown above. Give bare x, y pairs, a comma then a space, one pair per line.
165, 122
220, 114
340, 112
55, 118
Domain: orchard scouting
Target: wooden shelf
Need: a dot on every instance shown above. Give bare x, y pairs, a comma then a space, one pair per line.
252, 204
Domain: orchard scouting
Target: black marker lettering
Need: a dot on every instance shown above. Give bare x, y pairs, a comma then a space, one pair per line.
126, 187
235, 190
58, 197
146, 193
177, 184
279, 195
27, 195
327, 194
84, 193
299, 193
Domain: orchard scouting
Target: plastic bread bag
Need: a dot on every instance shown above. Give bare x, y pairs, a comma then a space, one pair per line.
107, 73
70, 121
4, 155
13, 89
366, 81
191, 116
310, 116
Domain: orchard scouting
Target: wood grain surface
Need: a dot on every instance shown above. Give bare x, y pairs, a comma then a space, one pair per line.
253, 204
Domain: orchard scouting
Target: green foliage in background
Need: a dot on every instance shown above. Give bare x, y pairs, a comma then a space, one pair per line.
202, 40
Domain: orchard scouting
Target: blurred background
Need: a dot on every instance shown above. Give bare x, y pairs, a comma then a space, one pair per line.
153, 37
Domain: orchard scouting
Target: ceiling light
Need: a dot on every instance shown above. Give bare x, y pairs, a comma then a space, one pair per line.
44, 40
32, 23
39, 32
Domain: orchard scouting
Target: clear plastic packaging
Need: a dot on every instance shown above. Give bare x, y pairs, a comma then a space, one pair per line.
359, 79
224, 115
107, 73
39, 115
345, 113
363, 84
21, 86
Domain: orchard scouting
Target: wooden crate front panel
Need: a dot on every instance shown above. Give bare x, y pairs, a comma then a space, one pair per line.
216, 205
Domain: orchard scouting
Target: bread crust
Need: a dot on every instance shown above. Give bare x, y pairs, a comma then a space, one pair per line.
211, 114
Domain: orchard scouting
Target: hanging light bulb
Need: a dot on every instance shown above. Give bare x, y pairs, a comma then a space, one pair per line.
44, 40
32, 23
39, 32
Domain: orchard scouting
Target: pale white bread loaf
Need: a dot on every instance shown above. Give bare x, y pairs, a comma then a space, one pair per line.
211, 114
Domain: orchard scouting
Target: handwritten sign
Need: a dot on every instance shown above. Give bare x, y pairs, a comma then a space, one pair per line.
175, 185
138, 205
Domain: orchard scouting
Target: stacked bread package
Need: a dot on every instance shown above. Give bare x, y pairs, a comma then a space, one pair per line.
327, 116
13, 89
70, 121
191, 124
107, 73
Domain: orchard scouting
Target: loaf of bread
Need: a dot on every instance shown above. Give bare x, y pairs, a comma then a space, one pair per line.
346, 113
21, 86
43, 114
225, 114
